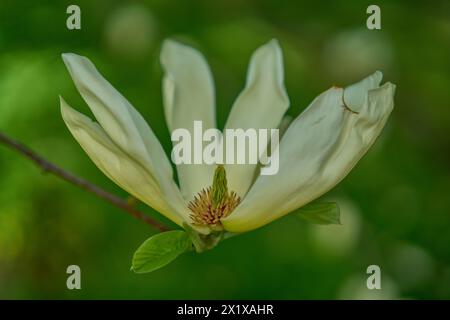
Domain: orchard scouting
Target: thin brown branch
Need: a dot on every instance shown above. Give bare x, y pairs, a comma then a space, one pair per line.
79, 182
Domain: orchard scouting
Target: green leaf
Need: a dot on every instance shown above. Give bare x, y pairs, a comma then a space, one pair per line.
159, 250
321, 213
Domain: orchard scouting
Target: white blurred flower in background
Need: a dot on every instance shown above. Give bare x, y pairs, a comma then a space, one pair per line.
356, 52
130, 31
411, 265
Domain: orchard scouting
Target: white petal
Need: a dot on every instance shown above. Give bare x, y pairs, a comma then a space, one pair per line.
127, 130
188, 91
123, 124
317, 151
261, 105
355, 94
120, 120
120, 167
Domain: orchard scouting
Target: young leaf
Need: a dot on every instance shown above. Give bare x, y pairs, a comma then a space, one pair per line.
159, 250
321, 213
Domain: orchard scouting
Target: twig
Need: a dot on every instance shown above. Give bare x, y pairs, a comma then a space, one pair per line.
79, 182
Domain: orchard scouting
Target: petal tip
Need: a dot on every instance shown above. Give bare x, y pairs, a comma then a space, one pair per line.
62, 102
65, 55
268, 60
68, 56
169, 44
174, 53
378, 75
274, 42
387, 87
272, 46
172, 47
64, 108
391, 85
390, 90
71, 60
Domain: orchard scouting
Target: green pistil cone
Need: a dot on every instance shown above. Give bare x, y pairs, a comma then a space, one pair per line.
219, 187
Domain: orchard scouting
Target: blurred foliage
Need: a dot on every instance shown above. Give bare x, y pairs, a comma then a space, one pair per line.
394, 205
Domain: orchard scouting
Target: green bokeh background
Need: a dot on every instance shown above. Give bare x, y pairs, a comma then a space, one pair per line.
395, 203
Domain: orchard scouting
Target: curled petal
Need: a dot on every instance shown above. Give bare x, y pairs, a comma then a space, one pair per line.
317, 151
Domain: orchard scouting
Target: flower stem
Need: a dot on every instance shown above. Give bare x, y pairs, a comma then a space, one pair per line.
47, 166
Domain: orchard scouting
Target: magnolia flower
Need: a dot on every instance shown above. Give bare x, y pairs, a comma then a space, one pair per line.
318, 148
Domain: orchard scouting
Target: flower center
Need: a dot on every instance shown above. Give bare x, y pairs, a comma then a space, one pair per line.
214, 203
